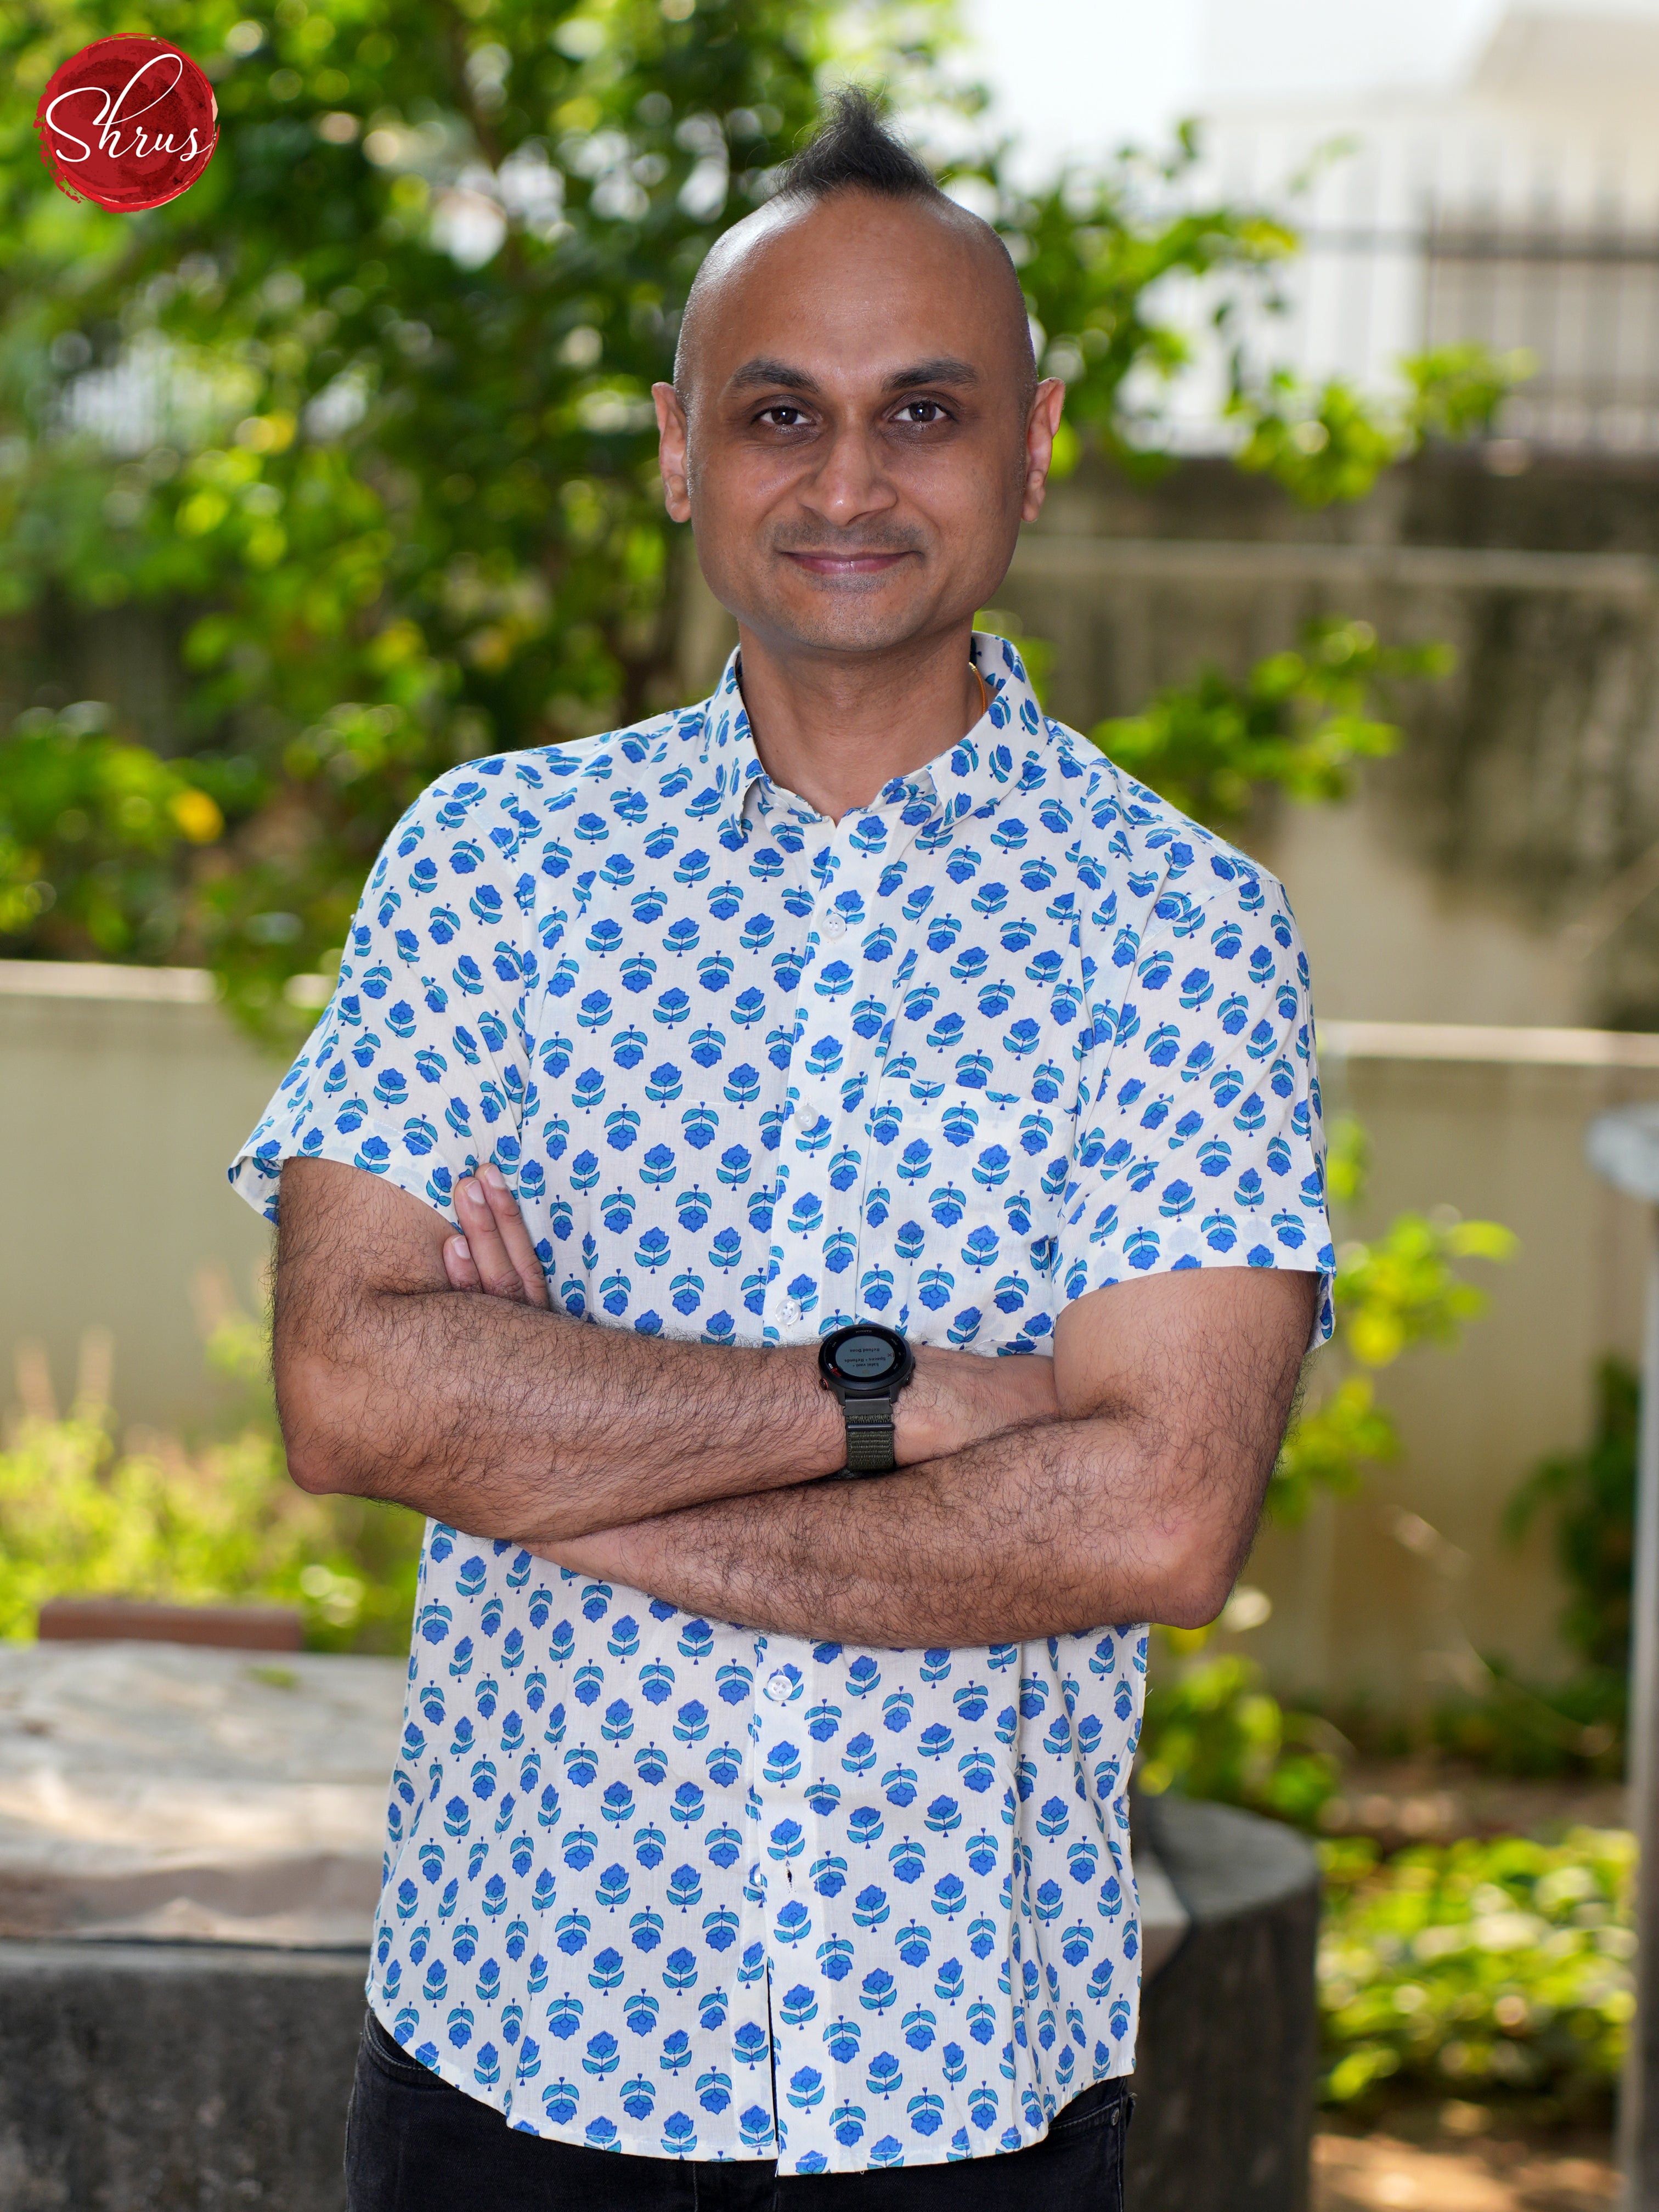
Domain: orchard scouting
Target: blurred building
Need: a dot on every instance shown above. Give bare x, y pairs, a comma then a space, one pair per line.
1498, 181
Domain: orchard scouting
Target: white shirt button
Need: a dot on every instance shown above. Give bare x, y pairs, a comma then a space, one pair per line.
834, 924
778, 1687
789, 1312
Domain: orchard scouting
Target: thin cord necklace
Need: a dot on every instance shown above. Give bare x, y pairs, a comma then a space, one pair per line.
984, 693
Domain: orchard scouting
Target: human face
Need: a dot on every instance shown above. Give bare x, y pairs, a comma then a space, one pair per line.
852, 451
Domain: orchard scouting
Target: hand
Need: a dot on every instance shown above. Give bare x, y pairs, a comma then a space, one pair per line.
960, 1398
493, 1252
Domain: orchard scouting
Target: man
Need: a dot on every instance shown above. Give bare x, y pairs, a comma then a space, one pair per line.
815, 1041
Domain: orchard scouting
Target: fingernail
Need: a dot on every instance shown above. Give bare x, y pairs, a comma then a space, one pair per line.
470, 1192
494, 1177
458, 1248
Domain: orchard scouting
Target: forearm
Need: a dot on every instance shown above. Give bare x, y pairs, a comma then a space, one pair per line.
510, 1420
1056, 1527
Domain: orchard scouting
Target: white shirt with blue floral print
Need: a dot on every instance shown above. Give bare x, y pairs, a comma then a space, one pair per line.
1014, 1031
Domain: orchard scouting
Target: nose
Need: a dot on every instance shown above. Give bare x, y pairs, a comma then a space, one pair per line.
850, 482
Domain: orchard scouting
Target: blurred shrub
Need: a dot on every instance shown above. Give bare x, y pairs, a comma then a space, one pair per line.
1296, 722
1591, 1496
1569, 1728
216, 1521
1497, 1967
1211, 1729
1327, 442
1402, 1288
91, 831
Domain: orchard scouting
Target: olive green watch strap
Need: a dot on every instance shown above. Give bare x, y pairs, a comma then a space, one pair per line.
869, 1435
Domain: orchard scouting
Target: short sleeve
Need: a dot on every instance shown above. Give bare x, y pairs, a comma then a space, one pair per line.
420, 1067
1198, 1140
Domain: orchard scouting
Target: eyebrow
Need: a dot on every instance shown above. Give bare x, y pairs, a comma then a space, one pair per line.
946, 370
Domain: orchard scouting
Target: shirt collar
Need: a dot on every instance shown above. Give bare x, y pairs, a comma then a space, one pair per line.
970, 778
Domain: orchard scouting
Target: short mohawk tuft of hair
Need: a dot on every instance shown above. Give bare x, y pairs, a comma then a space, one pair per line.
852, 150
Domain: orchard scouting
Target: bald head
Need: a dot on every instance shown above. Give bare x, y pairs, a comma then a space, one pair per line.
742, 256
853, 155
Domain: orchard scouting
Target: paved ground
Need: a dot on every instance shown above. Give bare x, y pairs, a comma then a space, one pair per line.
1455, 2162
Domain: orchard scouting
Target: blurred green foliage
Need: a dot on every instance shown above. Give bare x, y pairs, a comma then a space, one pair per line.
1549, 1730
1296, 721
1590, 1495
1211, 1729
1091, 252
1400, 1289
1482, 1968
363, 418
1574, 1726
218, 1520
1330, 442
91, 832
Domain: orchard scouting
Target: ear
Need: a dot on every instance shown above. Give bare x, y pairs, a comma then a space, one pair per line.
671, 451
1041, 425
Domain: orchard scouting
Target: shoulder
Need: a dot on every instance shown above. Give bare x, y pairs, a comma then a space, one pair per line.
480, 815
1165, 868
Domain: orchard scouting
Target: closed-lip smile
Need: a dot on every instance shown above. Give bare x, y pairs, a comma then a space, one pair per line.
845, 564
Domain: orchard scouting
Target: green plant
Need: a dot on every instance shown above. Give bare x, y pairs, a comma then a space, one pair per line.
1590, 1495
91, 831
1329, 442
1556, 1728
1298, 721
1212, 1730
1497, 1967
1400, 1289
1092, 250
219, 1519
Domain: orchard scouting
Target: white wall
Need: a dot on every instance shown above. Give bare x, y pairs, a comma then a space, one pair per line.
123, 1093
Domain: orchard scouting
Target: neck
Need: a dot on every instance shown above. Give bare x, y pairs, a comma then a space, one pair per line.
834, 728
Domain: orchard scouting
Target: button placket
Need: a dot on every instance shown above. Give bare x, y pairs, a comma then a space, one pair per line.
795, 2044
842, 1209
748, 1984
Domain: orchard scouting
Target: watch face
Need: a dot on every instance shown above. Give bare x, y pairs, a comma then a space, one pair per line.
866, 1358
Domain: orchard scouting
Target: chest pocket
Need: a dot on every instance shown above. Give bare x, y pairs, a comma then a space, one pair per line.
961, 1211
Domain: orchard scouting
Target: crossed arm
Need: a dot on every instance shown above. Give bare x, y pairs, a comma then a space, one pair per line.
1120, 1480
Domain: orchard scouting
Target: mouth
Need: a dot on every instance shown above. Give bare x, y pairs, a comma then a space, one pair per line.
837, 565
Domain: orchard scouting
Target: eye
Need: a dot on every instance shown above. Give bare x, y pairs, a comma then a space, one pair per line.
923, 412
782, 416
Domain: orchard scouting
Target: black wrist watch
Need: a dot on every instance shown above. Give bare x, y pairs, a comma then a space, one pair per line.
866, 1366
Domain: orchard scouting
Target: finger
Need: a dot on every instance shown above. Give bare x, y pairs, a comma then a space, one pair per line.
458, 1265
497, 1275
498, 1193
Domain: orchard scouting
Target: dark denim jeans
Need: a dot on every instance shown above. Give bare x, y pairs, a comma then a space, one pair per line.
415, 2145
